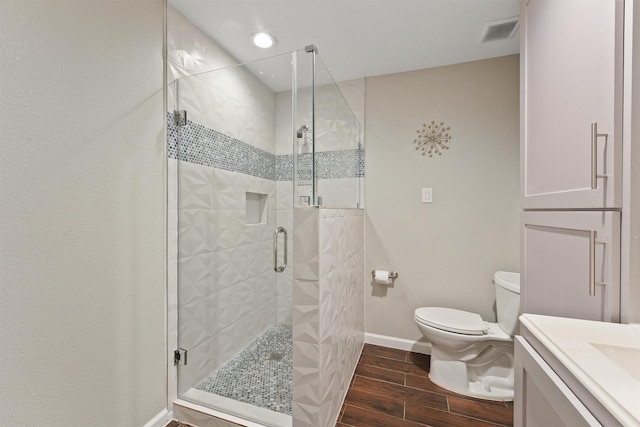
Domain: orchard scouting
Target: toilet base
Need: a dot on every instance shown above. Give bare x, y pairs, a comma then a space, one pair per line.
491, 381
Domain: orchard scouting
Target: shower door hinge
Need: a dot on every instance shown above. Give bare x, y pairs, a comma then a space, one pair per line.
180, 117
180, 357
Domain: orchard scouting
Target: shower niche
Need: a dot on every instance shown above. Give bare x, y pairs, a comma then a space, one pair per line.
256, 208
263, 143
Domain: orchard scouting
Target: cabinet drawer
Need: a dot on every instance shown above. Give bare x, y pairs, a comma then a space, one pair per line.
560, 274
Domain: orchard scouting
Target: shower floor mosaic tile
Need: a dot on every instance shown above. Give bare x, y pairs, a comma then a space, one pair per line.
260, 375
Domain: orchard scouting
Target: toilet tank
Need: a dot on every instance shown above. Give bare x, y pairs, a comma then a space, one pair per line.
507, 287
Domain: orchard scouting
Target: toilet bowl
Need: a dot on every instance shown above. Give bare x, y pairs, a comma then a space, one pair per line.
469, 355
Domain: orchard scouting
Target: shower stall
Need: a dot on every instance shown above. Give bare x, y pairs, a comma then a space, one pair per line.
266, 290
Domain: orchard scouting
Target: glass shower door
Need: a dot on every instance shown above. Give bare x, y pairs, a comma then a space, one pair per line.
234, 210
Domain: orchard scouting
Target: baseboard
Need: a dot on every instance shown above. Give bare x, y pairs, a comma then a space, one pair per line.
399, 343
160, 420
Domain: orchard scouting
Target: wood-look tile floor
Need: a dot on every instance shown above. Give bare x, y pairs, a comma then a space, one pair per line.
391, 388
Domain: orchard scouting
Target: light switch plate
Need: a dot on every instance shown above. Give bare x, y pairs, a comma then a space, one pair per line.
427, 195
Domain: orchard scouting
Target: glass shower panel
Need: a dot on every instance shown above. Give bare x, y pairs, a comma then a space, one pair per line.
234, 208
339, 159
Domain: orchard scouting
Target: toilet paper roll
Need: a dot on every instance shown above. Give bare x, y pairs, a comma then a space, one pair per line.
381, 277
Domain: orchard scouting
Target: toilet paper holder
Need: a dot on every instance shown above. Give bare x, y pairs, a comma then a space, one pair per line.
393, 275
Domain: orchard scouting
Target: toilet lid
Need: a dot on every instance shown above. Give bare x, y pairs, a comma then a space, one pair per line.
452, 320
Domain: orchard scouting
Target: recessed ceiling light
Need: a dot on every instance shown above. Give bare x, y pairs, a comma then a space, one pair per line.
263, 40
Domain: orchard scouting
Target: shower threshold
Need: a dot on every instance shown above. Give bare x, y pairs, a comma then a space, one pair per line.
260, 376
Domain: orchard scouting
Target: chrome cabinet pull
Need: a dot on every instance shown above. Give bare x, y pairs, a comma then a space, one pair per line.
594, 155
592, 263
279, 268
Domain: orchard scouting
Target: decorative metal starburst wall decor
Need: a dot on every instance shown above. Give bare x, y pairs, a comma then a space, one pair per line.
433, 137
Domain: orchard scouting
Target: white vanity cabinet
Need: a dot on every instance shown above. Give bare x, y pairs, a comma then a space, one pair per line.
571, 71
573, 372
542, 399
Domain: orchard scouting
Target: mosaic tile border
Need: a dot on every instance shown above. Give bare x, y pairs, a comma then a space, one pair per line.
208, 147
329, 164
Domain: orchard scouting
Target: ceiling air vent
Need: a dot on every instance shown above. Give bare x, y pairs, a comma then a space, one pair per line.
501, 29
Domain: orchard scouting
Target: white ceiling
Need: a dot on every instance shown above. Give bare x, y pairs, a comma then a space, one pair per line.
358, 38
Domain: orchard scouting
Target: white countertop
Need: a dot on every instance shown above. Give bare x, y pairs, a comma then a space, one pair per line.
604, 357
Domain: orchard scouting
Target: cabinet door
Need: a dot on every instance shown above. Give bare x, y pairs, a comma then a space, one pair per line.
571, 71
541, 397
571, 264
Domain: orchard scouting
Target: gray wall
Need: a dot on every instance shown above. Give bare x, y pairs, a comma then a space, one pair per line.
82, 236
445, 252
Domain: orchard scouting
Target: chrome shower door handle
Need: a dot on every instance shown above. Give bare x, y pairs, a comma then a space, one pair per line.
279, 268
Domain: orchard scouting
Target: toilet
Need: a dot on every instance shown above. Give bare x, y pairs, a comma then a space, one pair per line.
469, 355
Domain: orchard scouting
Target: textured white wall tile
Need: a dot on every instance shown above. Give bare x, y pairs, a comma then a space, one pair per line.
233, 303
329, 312
285, 219
234, 338
306, 375
266, 290
305, 242
284, 139
306, 292
189, 50
340, 192
262, 260
196, 231
285, 195
194, 323
230, 190
354, 93
261, 233
305, 323
285, 283
285, 292
305, 414
305, 310
230, 266
284, 310
195, 277
264, 134
341, 306
200, 364
234, 102
336, 125
230, 230
264, 317
284, 128
196, 186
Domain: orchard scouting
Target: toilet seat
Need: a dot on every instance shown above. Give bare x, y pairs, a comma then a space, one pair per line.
452, 320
